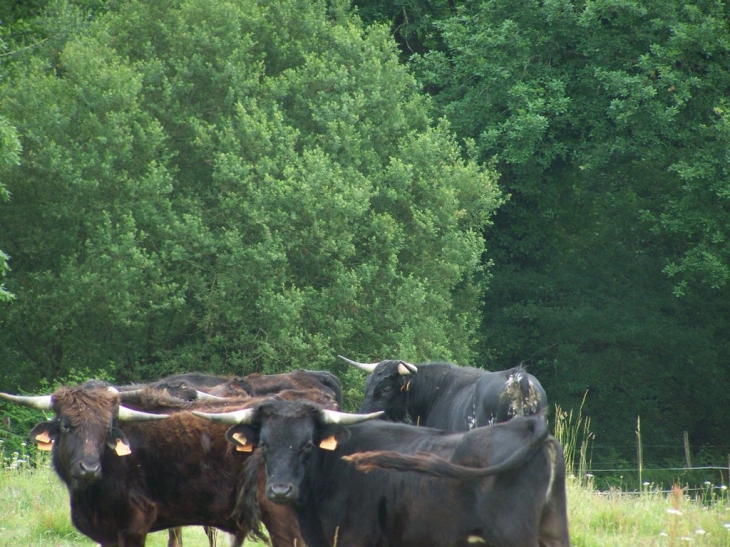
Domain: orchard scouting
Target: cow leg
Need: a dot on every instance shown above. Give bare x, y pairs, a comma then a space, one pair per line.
554, 518
142, 513
174, 537
132, 540
554, 527
237, 539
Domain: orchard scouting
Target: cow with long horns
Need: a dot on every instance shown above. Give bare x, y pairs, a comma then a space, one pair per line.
447, 396
127, 477
501, 485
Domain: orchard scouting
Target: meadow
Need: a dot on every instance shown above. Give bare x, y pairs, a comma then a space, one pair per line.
34, 508
34, 512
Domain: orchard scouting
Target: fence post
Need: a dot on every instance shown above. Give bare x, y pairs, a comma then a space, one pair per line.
639, 453
686, 451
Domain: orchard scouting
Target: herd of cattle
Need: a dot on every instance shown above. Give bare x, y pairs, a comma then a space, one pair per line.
462, 457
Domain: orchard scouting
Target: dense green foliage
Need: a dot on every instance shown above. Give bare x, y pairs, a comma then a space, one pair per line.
239, 186
9, 152
231, 187
609, 124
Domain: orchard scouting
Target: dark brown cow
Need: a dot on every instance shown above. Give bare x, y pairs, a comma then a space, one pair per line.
183, 391
314, 380
127, 479
191, 386
500, 485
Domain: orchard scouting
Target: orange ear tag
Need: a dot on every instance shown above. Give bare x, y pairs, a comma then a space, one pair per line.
122, 448
43, 437
45, 446
244, 445
330, 443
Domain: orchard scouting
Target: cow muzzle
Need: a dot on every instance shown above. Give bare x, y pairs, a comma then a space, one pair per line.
282, 492
87, 470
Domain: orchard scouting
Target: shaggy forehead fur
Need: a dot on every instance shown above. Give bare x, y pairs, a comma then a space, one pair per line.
86, 406
289, 409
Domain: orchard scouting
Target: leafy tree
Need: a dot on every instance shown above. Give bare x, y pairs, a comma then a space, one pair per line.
232, 186
608, 123
9, 152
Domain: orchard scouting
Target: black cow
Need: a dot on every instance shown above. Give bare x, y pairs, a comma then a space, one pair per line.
127, 479
447, 396
501, 485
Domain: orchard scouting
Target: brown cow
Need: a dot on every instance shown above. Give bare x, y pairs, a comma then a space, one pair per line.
182, 391
193, 386
127, 479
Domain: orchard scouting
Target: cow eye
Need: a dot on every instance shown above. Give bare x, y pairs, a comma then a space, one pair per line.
387, 389
307, 448
65, 426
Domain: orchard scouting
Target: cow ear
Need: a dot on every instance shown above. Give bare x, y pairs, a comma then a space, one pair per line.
331, 436
117, 441
44, 434
244, 437
405, 383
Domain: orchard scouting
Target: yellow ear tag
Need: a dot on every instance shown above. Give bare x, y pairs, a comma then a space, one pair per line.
330, 443
43, 438
244, 445
122, 448
45, 446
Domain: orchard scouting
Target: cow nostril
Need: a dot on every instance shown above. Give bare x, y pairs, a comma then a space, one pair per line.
280, 492
89, 468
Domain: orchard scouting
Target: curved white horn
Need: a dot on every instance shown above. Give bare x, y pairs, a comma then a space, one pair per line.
343, 418
41, 402
128, 415
244, 416
203, 396
406, 369
367, 367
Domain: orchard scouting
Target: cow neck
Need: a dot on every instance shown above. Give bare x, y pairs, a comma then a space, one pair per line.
430, 385
422, 393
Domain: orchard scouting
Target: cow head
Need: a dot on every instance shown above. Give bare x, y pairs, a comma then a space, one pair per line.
290, 434
83, 425
387, 387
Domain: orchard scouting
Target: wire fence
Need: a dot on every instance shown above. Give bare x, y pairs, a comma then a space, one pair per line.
627, 480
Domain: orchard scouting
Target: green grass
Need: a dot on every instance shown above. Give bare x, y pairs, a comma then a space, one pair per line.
648, 519
34, 512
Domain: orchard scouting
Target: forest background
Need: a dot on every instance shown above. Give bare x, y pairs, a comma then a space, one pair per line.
240, 186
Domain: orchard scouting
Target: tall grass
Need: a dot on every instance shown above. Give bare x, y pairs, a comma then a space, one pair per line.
34, 508
645, 518
573, 432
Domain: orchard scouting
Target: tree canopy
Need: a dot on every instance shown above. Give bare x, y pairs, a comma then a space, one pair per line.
237, 186
608, 124
233, 187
